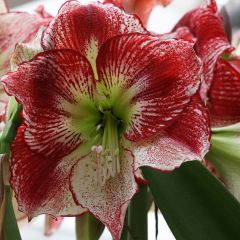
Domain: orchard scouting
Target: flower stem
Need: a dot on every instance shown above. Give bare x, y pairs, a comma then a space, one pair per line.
138, 214
10, 227
88, 228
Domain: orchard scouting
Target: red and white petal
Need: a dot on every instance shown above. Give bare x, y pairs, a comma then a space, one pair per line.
50, 88
159, 77
41, 183
108, 203
3, 7
208, 28
181, 33
26, 51
185, 34
224, 95
16, 28
85, 27
187, 139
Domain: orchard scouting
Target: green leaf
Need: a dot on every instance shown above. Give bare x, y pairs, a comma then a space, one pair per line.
10, 227
137, 215
194, 203
13, 122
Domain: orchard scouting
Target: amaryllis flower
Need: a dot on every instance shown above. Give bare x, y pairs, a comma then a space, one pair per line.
224, 94
220, 89
224, 106
16, 27
220, 83
103, 99
207, 27
142, 8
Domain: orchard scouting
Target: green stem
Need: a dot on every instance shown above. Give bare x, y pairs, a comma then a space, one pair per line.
12, 124
88, 228
10, 227
137, 215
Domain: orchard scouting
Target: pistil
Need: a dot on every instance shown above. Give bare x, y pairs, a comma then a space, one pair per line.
108, 158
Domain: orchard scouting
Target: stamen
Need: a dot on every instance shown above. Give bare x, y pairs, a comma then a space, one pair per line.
99, 126
98, 150
107, 154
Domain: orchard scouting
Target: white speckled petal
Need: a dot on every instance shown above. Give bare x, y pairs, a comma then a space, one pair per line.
207, 27
187, 139
40, 183
108, 202
85, 27
51, 89
224, 95
26, 51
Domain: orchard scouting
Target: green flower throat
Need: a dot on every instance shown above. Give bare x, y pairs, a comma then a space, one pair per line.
102, 122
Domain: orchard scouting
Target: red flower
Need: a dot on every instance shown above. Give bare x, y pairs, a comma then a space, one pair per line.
102, 100
221, 80
16, 27
142, 8
224, 94
220, 89
207, 27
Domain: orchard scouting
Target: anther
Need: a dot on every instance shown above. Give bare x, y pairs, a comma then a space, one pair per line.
99, 126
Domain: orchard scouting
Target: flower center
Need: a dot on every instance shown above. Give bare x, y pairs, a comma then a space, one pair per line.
108, 153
